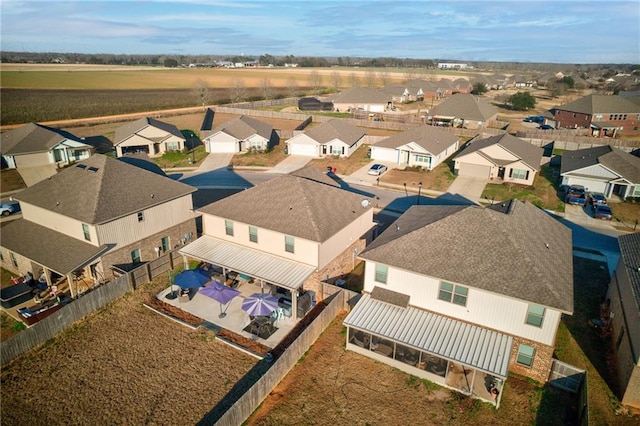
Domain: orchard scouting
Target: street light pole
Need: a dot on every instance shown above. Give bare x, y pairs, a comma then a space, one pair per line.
419, 191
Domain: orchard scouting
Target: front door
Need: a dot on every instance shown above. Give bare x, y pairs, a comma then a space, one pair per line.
501, 173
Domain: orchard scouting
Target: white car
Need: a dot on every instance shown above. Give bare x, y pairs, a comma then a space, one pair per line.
377, 169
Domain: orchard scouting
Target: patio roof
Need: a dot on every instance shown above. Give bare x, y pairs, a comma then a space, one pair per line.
255, 263
468, 344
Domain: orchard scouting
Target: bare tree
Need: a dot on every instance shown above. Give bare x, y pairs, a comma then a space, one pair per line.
370, 78
201, 89
335, 80
315, 81
383, 76
409, 75
292, 85
353, 79
238, 90
267, 91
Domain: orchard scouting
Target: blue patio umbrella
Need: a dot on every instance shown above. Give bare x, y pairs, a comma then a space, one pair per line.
220, 293
191, 278
259, 304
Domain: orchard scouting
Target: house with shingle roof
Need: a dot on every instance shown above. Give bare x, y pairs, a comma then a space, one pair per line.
602, 169
624, 308
504, 158
362, 98
463, 110
603, 115
423, 146
148, 135
98, 218
334, 137
241, 134
37, 145
445, 299
292, 232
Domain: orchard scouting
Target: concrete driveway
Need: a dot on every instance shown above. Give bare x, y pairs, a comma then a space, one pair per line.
33, 175
361, 177
469, 187
289, 164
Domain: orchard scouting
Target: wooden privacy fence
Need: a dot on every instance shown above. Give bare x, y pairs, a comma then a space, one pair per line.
148, 271
253, 397
48, 327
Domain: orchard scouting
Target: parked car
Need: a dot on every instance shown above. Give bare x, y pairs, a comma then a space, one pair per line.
576, 194
377, 169
6, 209
596, 198
563, 190
534, 119
546, 127
602, 211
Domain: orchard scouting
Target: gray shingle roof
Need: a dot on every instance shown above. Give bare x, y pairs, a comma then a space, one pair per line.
601, 104
243, 127
311, 172
524, 253
33, 137
294, 206
47, 247
622, 163
432, 139
336, 129
465, 106
630, 258
529, 154
101, 189
362, 95
124, 132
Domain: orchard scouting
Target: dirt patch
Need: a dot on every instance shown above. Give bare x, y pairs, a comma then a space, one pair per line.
438, 179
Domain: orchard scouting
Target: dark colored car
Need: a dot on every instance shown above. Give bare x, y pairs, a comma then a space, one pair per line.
546, 127
603, 212
534, 119
596, 198
576, 194
9, 208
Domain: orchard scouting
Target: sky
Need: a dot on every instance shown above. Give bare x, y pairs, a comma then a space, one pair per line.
560, 31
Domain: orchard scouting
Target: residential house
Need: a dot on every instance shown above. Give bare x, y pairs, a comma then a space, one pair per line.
96, 219
461, 85
603, 115
240, 134
602, 169
148, 135
291, 232
424, 146
413, 91
624, 313
44, 147
463, 110
399, 93
334, 137
446, 86
445, 298
362, 98
503, 157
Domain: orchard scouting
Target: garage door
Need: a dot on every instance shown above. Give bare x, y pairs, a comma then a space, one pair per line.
474, 170
303, 149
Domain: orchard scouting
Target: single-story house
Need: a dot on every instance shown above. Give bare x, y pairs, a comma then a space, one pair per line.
363, 98
463, 110
602, 169
148, 135
334, 137
424, 146
241, 134
503, 157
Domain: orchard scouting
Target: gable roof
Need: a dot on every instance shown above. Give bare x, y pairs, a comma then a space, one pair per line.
466, 106
620, 162
244, 127
101, 189
531, 155
362, 95
34, 137
430, 138
594, 104
294, 206
124, 132
311, 172
475, 246
630, 258
336, 129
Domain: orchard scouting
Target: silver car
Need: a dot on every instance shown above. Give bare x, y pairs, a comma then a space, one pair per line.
377, 169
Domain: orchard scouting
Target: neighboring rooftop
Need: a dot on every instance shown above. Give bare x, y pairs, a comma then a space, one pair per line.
336, 129
529, 154
432, 139
32, 138
465, 106
630, 258
624, 164
244, 127
604, 104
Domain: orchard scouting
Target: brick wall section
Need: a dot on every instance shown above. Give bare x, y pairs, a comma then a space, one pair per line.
631, 125
146, 246
541, 367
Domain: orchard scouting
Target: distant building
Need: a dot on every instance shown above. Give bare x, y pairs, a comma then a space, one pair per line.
452, 66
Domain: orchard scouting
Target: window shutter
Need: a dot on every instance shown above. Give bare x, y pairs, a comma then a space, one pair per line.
527, 175
510, 172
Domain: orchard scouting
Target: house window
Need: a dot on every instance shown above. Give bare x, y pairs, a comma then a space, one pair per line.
535, 315
14, 261
519, 174
253, 234
140, 216
135, 256
228, 227
173, 146
525, 355
453, 293
381, 273
288, 244
426, 159
165, 244
57, 155
85, 231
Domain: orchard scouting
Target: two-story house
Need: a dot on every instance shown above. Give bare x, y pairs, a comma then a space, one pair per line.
148, 135
461, 295
94, 219
603, 115
291, 232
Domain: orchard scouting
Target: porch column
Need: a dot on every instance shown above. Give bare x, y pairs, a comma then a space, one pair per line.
47, 275
294, 304
185, 262
71, 283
